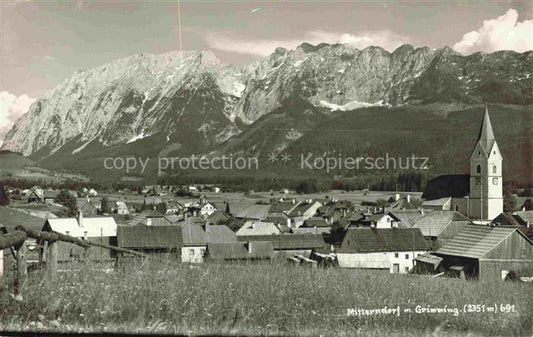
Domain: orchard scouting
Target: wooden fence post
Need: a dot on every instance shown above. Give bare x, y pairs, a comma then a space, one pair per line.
51, 260
22, 268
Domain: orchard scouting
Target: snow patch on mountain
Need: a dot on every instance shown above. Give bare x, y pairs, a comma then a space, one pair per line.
137, 137
82, 147
348, 106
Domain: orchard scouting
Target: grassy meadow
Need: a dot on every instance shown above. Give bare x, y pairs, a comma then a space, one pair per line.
162, 296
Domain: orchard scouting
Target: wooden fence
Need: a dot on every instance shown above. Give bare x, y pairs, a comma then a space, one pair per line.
16, 242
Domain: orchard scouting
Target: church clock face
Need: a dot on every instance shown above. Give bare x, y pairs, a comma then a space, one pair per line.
495, 181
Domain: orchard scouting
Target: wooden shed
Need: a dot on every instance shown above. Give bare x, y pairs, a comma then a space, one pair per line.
488, 253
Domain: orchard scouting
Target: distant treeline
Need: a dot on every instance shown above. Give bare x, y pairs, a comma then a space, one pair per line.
402, 182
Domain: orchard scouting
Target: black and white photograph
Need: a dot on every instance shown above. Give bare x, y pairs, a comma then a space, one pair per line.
266, 168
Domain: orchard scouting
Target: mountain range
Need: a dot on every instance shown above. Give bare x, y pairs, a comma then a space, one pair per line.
184, 103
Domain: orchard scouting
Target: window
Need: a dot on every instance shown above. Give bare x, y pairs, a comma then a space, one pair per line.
396, 255
494, 169
478, 168
457, 208
406, 269
191, 251
407, 256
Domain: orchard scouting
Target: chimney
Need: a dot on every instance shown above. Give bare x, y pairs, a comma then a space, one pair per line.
316, 229
289, 222
293, 201
397, 196
185, 215
249, 247
528, 224
344, 213
148, 221
408, 198
207, 229
253, 224
80, 219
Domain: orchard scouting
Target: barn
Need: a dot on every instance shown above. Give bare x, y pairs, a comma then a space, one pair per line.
488, 253
151, 239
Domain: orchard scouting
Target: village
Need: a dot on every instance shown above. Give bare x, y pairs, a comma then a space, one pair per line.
433, 233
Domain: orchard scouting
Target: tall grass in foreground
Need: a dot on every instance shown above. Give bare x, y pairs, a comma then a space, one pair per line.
163, 296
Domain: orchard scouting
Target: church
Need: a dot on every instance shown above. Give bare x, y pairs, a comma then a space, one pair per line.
478, 195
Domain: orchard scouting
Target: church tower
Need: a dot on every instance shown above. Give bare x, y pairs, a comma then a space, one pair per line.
486, 183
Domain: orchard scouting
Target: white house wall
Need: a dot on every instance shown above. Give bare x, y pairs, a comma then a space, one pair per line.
387, 260
194, 254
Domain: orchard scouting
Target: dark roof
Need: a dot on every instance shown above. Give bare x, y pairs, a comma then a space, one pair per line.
506, 219
239, 250
301, 208
289, 241
366, 240
455, 186
216, 217
282, 206
149, 237
315, 221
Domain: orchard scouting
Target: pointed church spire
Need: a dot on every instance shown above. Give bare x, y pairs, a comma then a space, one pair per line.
486, 135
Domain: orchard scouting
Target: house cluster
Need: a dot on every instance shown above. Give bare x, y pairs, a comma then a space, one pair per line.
459, 230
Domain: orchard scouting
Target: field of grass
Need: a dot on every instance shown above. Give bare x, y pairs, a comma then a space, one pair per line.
162, 296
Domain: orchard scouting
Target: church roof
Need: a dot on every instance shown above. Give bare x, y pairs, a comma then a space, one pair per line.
455, 186
486, 135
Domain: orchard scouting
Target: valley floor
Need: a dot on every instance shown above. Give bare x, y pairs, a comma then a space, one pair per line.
163, 296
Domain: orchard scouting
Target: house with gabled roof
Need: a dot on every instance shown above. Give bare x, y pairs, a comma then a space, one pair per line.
95, 229
196, 238
390, 249
253, 227
303, 211
407, 217
87, 207
378, 220
488, 253
440, 226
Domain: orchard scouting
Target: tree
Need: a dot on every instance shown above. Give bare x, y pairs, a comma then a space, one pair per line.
4, 198
161, 207
509, 201
66, 199
228, 212
106, 205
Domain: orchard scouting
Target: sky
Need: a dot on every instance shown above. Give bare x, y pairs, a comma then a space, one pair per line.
43, 42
